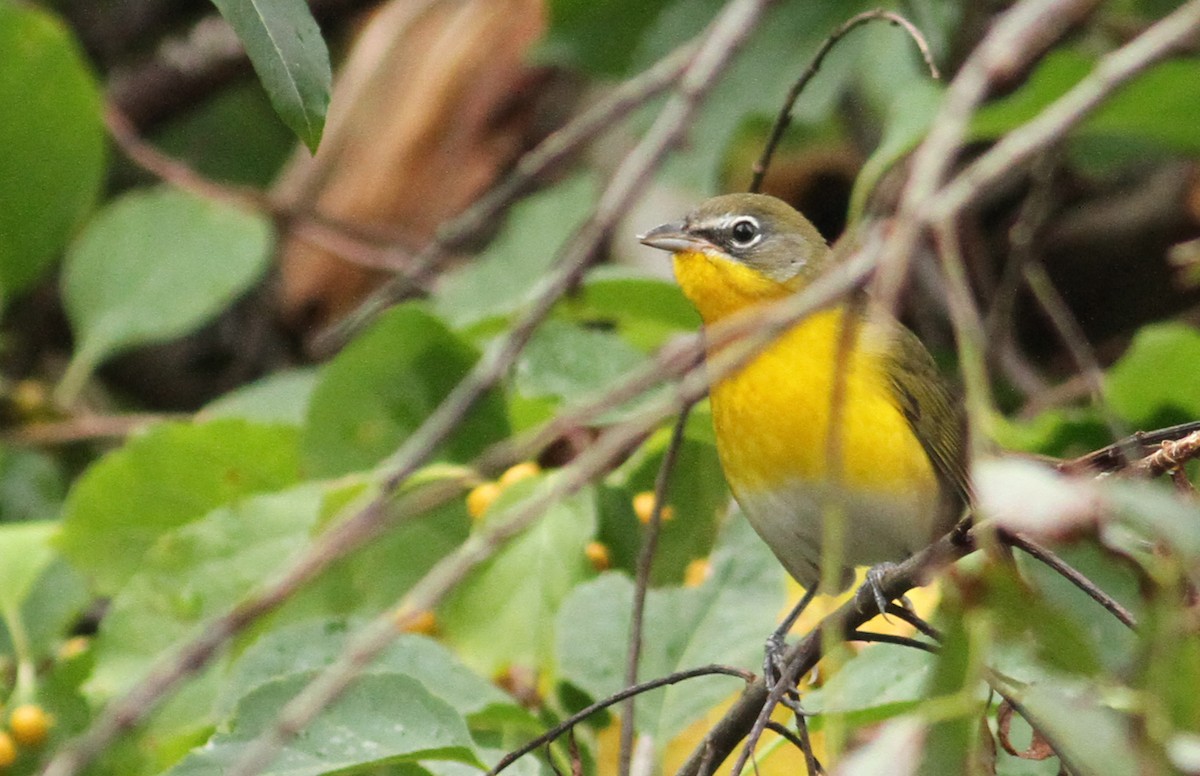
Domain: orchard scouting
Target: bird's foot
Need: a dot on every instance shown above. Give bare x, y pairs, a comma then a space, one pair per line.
875, 576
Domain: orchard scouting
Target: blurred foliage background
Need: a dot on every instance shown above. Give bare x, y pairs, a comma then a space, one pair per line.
176, 429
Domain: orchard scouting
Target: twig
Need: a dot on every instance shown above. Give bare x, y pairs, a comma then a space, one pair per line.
1069, 573
784, 119
1170, 457
628, 692
891, 638
1115, 456
801, 742
642, 584
910, 617
85, 428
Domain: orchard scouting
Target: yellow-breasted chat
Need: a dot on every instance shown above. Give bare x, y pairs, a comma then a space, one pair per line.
901, 479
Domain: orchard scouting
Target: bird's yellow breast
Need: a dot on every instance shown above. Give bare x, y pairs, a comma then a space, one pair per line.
773, 416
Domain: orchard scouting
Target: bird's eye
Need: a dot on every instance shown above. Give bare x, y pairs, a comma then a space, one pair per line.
745, 232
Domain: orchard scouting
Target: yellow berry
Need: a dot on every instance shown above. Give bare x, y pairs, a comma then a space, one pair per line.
73, 647
8, 750
521, 471
696, 572
643, 507
597, 553
29, 724
423, 622
480, 499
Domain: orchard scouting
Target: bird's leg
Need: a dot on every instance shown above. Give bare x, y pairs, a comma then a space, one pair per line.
777, 641
875, 576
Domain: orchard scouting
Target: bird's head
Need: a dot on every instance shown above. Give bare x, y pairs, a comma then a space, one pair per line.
737, 250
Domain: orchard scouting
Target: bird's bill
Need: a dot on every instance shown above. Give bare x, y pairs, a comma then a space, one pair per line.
674, 238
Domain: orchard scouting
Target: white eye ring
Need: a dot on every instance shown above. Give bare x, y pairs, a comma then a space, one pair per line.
745, 232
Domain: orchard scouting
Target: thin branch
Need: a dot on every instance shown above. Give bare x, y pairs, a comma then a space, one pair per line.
645, 565
85, 428
1069, 573
1115, 456
801, 741
1170, 456
784, 119
612, 700
911, 617
891, 638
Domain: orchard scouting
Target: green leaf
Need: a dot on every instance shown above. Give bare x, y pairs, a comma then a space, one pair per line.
877, 683
310, 646
725, 620
569, 364
383, 385
382, 719
503, 612
193, 573
173, 475
53, 142
32, 485
1157, 376
282, 397
645, 310
154, 265
907, 119
25, 552
288, 53
508, 273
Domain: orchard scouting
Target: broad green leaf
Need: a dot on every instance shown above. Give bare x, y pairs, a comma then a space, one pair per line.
307, 647
568, 364
282, 397
173, 475
52, 142
725, 620
646, 311
877, 683
25, 552
597, 37
193, 573
32, 485
154, 265
383, 385
382, 719
503, 612
1158, 107
288, 53
509, 271
1157, 377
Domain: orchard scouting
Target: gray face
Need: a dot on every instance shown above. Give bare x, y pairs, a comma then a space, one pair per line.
762, 232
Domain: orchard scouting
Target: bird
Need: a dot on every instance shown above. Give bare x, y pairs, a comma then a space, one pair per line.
901, 480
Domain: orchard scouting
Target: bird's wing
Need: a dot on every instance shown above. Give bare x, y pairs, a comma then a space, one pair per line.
932, 409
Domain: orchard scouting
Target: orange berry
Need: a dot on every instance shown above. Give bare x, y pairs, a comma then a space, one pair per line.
29, 724
696, 572
8, 750
423, 622
480, 499
597, 553
643, 507
521, 471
